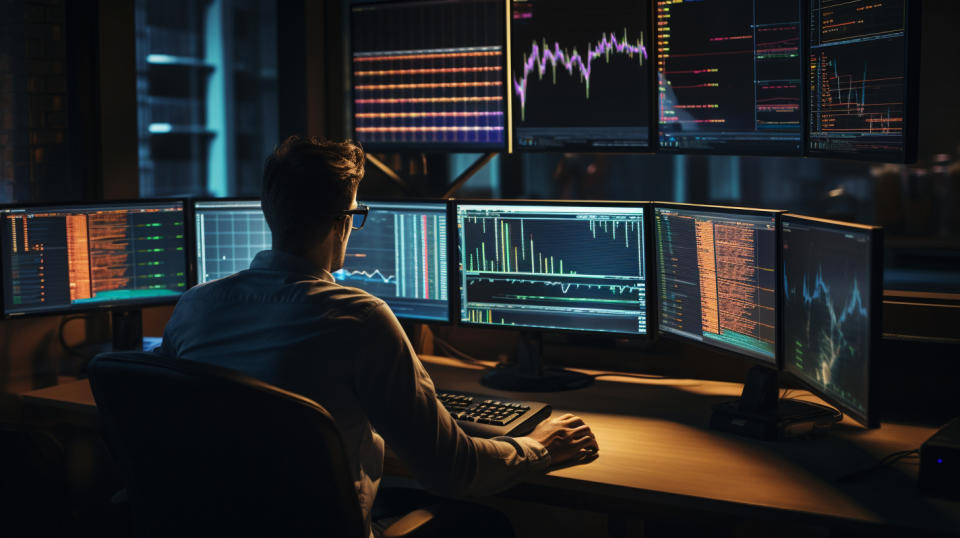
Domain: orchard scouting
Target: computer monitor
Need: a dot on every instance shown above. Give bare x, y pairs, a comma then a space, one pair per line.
229, 233
832, 286
863, 79
730, 76
581, 77
568, 266
429, 74
400, 256
717, 281
66, 258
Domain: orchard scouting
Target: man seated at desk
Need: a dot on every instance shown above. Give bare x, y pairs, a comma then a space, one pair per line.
286, 322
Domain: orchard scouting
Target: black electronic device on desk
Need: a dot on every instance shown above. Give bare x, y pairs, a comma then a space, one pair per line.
940, 462
483, 415
75, 258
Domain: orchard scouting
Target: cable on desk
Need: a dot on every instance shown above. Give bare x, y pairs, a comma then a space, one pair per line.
459, 355
626, 374
889, 459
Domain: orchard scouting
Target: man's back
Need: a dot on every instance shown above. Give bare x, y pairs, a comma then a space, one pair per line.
290, 325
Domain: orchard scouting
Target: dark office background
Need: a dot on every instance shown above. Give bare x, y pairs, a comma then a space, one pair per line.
115, 99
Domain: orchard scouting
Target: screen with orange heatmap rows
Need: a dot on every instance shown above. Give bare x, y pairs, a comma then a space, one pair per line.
718, 278
70, 258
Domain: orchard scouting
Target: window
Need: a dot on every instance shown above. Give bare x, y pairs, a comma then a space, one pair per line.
206, 95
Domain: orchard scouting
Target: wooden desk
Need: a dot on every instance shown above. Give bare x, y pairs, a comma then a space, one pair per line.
657, 454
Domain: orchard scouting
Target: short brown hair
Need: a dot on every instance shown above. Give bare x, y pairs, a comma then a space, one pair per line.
306, 182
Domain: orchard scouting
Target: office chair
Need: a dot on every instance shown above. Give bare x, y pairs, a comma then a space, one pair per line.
209, 451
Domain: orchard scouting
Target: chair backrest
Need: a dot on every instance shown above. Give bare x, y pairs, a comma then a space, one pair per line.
211, 451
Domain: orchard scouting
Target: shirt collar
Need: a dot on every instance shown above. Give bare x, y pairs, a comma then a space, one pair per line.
276, 260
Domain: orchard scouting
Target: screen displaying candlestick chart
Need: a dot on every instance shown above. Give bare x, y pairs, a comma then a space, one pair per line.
429, 73
730, 76
553, 266
857, 78
827, 282
63, 258
400, 256
583, 86
717, 280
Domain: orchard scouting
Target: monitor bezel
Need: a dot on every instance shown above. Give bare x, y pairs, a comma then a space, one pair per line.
801, 150
653, 140
423, 147
868, 419
911, 93
774, 363
195, 237
106, 306
449, 267
648, 271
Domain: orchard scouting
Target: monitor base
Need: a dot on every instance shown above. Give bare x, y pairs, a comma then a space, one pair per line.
790, 419
514, 378
528, 374
760, 413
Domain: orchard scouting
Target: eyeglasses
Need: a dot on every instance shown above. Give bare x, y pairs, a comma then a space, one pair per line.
358, 214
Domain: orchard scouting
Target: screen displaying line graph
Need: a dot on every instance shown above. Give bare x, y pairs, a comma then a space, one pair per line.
827, 278
730, 76
583, 86
429, 73
857, 77
229, 234
400, 256
553, 266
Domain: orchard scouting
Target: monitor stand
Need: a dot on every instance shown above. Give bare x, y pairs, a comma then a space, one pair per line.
760, 412
528, 373
127, 330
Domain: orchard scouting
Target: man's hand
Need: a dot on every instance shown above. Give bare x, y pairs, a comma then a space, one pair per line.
567, 439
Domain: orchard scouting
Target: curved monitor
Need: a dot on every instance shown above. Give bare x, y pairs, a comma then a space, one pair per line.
832, 280
65, 258
567, 266
717, 281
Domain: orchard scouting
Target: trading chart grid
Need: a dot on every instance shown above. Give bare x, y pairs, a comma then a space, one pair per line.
429, 73
827, 323
229, 235
717, 281
400, 256
581, 86
577, 267
857, 77
729, 76
58, 258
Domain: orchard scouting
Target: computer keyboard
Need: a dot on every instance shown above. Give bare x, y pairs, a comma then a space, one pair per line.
483, 415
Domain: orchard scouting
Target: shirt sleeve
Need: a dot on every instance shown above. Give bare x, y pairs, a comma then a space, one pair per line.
401, 403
